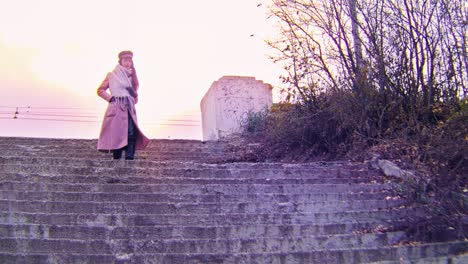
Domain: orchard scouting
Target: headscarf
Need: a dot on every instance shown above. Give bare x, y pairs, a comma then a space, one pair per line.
134, 79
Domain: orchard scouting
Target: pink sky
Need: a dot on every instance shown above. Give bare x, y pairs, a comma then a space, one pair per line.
55, 53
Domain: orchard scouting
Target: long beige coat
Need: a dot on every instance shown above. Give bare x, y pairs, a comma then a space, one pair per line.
115, 123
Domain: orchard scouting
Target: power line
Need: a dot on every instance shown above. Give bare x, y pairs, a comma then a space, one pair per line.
70, 114
9, 106
180, 125
50, 119
57, 112
181, 120
95, 121
52, 114
48, 107
19, 116
83, 116
163, 123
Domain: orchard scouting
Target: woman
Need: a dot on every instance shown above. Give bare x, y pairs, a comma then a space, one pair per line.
119, 128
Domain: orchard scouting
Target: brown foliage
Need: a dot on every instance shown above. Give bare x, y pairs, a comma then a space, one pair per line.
341, 127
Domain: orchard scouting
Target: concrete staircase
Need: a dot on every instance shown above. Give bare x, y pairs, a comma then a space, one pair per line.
61, 201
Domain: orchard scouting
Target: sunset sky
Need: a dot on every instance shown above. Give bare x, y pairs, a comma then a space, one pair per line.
55, 53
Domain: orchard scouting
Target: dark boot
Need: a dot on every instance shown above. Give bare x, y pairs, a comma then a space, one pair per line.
130, 149
117, 154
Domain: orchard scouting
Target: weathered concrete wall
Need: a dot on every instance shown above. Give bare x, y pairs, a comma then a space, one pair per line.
228, 101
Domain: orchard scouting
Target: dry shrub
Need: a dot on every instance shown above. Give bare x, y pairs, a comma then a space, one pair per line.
298, 132
254, 122
444, 152
340, 125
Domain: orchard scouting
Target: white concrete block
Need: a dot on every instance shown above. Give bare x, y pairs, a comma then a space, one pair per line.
227, 103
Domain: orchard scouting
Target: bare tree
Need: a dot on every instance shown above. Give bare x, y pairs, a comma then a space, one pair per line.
411, 52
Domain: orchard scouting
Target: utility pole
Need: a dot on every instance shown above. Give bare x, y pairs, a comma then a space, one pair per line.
16, 113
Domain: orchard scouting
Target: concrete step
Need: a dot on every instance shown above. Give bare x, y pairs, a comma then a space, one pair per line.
71, 145
457, 259
95, 155
94, 141
291, 167
185, 150
148, 172
252, 165
194, 189
37, 150
28, 165
197, 246
85, 232
405, 254
175, 179
253, 207
21, 159
205, 198
145, 156
149, 176
122, 219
